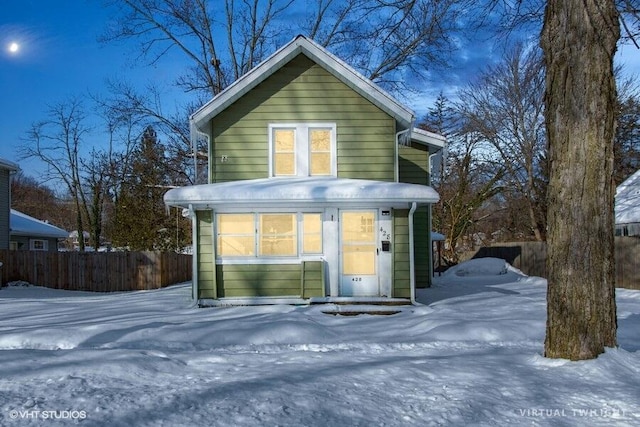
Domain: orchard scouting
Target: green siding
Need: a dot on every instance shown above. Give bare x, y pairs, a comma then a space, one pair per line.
422, 247
206, 256
413, 165
401, 270
302, 92
304, 280
259, 280
313, 279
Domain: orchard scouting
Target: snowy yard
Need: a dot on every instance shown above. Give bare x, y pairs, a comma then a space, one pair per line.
471, 355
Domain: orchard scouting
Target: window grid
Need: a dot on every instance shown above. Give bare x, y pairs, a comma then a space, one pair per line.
287, 234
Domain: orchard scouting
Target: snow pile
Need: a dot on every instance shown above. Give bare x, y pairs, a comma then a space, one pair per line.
470, 355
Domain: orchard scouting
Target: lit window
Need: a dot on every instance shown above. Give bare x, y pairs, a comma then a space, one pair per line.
284, 152
303, 149
320, 152
278, 236
312, 233
236, 235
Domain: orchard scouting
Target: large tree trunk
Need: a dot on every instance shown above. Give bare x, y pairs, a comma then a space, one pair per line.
579, 41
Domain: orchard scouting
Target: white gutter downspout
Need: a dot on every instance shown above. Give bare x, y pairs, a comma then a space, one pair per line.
194, 146
194, 266
412, 269
396, 166
431, 222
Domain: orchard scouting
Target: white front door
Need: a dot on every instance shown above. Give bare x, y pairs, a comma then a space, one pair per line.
359, 253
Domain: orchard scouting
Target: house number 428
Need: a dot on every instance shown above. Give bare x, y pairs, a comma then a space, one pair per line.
356, 279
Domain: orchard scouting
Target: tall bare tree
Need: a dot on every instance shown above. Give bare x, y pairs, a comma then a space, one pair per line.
505, 106
468, 181
57, 142
579, 40
387, 41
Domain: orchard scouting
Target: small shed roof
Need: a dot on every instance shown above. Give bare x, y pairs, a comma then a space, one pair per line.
301, 191
24, 225
627, 206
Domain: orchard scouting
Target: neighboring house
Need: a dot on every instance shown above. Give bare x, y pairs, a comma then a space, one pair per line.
28, 233
318, 187
7, 169
627, 208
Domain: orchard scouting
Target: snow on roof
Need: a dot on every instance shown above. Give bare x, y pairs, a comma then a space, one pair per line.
312, 190
627, 207
25, 225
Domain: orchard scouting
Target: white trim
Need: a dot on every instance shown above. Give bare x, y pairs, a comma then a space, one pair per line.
196, 252
257, 260
45, 245
412, 260
302, 45
221, 302
434, 141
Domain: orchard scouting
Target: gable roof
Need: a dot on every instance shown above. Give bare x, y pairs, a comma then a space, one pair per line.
334, 65
25, 225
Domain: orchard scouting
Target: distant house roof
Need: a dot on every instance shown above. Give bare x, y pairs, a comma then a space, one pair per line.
302, 45
627, 207
7, 165
25, 225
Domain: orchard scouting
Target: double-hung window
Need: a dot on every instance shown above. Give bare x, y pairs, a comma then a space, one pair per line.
307, 149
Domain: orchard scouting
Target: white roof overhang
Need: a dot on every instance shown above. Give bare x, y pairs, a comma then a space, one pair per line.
297, 192
10, 166
433, 141
337, 67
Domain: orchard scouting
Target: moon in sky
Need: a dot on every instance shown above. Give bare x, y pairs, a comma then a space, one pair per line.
14, 47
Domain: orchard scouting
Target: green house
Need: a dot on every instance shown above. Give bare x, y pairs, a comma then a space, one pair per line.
318, 187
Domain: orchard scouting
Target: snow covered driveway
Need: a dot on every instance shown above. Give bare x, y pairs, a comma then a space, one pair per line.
470, 356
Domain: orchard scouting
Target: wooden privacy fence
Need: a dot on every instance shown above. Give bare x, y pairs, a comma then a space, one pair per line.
96, 271
531, 258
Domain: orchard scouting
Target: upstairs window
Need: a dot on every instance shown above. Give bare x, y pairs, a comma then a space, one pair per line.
302, 149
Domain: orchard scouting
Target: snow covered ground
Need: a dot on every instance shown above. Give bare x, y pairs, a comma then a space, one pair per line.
471, 355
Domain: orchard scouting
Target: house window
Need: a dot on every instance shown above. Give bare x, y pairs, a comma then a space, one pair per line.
13, 246
38, 245
284, 152
303, 149
312, 233
278, 235
236, 235
287, 234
